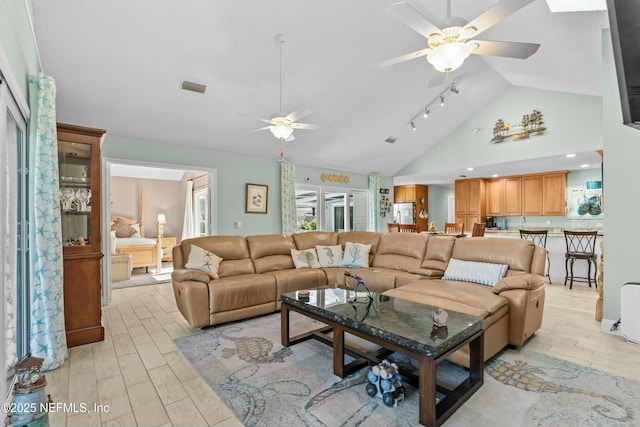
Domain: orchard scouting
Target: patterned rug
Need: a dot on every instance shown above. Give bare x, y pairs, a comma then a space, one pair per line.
266, 384
139, 277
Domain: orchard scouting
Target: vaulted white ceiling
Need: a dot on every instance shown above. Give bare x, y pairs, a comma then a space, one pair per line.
119, 65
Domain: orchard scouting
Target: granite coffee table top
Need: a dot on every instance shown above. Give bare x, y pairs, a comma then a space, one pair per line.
401, 322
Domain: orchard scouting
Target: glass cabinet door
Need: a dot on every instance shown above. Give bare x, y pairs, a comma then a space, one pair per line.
74, 162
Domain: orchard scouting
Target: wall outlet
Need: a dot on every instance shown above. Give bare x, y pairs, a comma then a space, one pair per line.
548, 222
237, 224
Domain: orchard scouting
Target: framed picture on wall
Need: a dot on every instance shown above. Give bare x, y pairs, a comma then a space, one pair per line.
256, 198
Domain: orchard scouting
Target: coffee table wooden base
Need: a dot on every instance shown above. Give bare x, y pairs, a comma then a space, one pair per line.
430, 413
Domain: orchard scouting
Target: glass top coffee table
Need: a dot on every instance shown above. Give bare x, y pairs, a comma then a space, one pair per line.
396, 325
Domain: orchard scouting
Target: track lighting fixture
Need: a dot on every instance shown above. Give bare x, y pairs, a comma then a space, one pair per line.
425, 111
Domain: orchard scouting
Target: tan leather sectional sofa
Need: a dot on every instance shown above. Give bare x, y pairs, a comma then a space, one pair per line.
256, 270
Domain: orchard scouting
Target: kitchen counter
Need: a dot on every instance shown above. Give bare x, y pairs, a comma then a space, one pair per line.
552, 232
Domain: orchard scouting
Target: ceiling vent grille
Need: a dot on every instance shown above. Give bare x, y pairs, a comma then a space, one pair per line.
193, 87
391, 140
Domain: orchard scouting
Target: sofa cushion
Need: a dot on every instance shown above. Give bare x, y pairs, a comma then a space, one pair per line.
356, 255
516, 253
271, 252
483, 273
312, 239
239, 291
305, 259
294, 280
329, 256
203, 260
401, 251
436, 257
233, 250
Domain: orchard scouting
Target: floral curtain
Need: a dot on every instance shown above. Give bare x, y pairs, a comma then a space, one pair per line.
47, 337
288, 197
374, 201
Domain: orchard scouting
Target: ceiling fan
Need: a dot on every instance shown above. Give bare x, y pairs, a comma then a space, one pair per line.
453, 41
281, 125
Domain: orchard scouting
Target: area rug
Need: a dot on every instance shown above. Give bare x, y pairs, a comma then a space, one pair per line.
266, 384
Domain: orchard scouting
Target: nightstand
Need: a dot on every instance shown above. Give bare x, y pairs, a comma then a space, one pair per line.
167, 247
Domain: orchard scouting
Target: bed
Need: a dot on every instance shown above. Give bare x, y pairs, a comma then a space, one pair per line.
143, 251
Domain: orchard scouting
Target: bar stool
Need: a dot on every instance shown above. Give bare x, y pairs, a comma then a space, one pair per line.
539, 237
580, 245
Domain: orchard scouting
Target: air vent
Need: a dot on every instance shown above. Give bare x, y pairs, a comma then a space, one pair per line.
193, 87
391, 140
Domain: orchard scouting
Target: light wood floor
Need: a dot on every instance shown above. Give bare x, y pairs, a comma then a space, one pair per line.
144, 380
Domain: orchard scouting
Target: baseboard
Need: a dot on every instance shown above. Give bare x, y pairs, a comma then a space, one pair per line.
606, 325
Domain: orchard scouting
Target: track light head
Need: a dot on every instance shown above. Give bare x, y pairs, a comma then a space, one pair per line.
453, 88
442, 100
413, 126
426, 112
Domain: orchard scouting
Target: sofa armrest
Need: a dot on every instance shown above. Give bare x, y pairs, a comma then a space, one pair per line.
184, 274
520, 281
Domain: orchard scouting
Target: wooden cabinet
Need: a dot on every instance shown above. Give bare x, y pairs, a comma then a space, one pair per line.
513, 196
470, 202
532, 195
79, 169
167, 247
504, 196
554, 193
418, 194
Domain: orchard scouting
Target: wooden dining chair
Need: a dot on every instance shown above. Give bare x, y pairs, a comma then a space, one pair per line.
478, 229
408, 228
454, 228
393, 227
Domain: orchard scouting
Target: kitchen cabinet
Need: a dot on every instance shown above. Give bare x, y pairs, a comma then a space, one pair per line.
419, 195
554, 193
504, 196
79, 177
532, 195
512, 196
470, 202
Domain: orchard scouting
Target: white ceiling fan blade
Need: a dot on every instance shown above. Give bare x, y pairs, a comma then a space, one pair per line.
403, 58
298, 114
492, 16
290, 137
259, 129
508, 49
415, 16
255, 117
306, 126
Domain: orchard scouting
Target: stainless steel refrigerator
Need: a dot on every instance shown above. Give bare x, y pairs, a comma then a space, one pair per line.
404, 213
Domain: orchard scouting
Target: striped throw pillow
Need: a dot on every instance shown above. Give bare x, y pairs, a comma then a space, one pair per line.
484, 273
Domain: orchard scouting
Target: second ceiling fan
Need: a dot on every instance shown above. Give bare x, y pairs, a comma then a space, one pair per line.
453, 41
281, 125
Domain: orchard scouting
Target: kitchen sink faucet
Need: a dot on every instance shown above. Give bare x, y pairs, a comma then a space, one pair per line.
523, 220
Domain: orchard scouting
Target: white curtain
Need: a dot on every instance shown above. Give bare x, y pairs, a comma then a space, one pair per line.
48, 338
374, 202
188, 227
288, 197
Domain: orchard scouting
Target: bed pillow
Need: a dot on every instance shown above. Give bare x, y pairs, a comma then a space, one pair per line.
356, 255
113, 241
484, 273
123, 229
136, 227
203, 260
305, 259
329, 256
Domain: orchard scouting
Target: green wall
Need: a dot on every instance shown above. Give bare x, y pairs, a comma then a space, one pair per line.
17, 41
574, 124
620, 183
234, 171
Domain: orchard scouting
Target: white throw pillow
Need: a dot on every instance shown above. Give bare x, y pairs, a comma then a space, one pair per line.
136, 227
356, 255
329, 256
305, 259
484, 273
203, 260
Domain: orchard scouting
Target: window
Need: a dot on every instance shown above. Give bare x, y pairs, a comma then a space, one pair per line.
330, 209
201, 211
